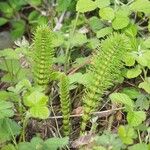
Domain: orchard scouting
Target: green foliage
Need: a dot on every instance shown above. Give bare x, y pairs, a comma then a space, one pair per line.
127, 134
85, 5
135, 118
103, 32
77, 29
145, 85
11, 65
8, 128
43, 54
122, 98
49, 144
139, 146
6, 109
105, 68
109, 140
37, 103
141, 6
65, 103
107, 13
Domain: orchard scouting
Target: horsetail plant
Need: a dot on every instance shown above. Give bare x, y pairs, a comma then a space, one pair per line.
105, 67
65, 103
43, 54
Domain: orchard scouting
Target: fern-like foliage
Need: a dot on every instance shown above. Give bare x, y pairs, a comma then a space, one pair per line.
105, 68
43, 54
65, 103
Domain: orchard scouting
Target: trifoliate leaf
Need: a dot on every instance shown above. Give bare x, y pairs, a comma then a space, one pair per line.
85, 5
103, 32
135, 118
35, 98
107, 13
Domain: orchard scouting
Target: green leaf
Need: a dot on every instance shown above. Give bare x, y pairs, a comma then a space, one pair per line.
74, 78
6, 9
120, 22
39, 111
132, 73
139, 146
8, 147
35, 98
55, 143
141, 6
21, 86
95, 23
8, 129
79, 39
129, 59
93, 43
121, 98
131, 30
18, 29
135, 118
3, 21
121, 18
127, 134
37, 102
107, 13
132, 92
146, 43
63, 5
35, 2
9, 54
85, 5
33, 16
25, 146
143, 57
142, 102
6, 109
102, 3
103, 32
145, 85
36, 144
108, 139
